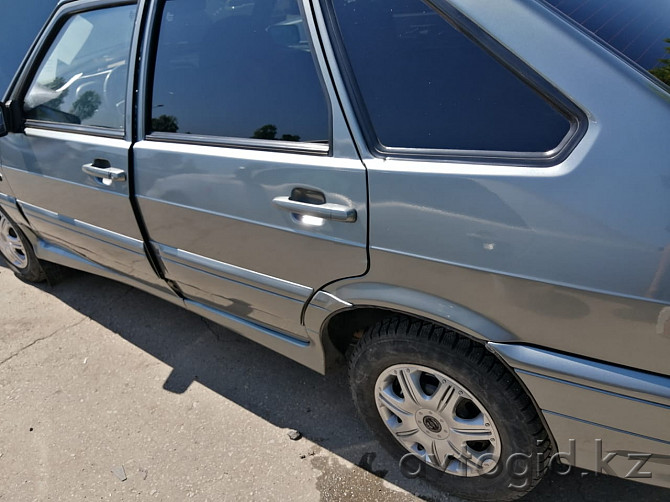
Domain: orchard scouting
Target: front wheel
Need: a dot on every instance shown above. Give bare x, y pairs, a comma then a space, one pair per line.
448, 410
17, 251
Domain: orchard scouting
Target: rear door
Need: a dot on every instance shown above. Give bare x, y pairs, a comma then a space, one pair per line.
251, 190
69, 166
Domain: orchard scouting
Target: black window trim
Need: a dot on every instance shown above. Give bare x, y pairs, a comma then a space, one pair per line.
63, 11
609, 47
576, 117
279, 146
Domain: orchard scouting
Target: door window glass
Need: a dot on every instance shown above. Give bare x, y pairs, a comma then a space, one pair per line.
237, 68
425, 85
82, 79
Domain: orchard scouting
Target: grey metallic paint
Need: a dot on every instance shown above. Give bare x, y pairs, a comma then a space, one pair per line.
625, 408
621, 443
65, 205
564, 268
237, 250
570, 257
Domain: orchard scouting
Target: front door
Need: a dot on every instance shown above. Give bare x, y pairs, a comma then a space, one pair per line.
69, 167
247, 180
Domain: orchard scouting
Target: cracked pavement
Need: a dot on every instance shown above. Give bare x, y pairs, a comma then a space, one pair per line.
99, 381
10, 357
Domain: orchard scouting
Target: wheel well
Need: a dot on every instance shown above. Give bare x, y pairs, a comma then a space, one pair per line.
342, 331
344, 328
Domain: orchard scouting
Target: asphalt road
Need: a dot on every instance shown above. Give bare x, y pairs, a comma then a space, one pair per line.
107, 393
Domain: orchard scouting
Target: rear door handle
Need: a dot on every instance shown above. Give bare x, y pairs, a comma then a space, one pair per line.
328, 211
106, 173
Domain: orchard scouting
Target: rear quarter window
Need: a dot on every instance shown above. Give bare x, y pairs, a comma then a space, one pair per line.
424, 86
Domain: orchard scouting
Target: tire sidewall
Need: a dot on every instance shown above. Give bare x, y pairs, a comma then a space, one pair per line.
516, 439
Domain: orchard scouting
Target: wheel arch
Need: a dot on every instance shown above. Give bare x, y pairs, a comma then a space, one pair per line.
10, 205
341, 316
337, 315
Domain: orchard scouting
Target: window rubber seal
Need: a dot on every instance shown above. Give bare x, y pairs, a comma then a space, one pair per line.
576, 117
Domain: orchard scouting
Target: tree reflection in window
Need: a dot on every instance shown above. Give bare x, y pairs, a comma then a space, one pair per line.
86, 105
82, 78
662, 72
269, 131
246, 72
165, 123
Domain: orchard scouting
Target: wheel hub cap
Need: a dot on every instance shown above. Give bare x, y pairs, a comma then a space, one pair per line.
432, 424
438, 420
11, 246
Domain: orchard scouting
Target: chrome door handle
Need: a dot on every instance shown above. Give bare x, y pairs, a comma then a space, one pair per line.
106, 173
328, 211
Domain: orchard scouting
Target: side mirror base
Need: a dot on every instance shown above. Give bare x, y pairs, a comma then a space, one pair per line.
10, 118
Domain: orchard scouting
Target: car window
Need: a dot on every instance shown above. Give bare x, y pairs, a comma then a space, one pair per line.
423, 84
82, 79
639, 30
237, 69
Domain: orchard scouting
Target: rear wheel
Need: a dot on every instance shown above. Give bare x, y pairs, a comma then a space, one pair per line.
17, 251
448, 410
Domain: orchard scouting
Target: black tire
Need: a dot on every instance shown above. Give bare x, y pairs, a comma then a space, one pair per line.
28, 268
523, 445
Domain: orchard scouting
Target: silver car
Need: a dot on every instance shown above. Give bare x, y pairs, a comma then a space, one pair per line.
466, 200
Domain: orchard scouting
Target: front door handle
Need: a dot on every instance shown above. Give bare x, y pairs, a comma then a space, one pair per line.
328, 211
106, 173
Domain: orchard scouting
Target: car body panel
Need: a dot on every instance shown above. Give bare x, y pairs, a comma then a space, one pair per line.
594, 409
571, 257
625, 451
66, 206
55, 254
358, 294
233, 190
553, 316
236, 250
8, 201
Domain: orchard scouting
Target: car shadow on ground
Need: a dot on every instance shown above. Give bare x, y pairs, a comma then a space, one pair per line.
276, 389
